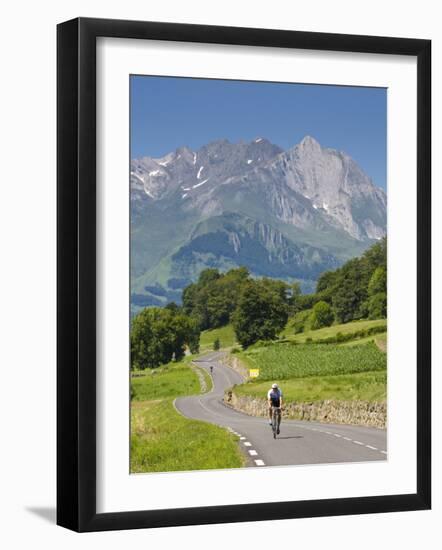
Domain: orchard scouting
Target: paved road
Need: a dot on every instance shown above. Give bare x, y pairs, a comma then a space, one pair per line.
299, 442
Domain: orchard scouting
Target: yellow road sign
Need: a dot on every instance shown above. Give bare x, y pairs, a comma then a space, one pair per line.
254, 373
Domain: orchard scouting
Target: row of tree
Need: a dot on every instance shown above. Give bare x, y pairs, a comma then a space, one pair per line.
259, 308
358, 289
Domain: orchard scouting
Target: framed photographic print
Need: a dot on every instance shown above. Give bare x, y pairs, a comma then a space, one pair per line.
243, 217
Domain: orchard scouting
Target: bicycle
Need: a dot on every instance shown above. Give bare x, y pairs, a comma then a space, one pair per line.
276, 420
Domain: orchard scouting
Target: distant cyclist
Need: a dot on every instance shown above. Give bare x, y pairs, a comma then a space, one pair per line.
274, 398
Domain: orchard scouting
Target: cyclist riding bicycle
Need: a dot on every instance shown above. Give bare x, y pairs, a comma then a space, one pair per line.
274, 398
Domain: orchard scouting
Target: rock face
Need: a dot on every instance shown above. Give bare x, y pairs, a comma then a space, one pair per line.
289, 214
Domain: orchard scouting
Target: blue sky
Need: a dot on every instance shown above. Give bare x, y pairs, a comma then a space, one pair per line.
168, 112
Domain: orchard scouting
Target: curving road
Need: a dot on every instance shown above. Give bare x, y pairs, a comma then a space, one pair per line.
299, 442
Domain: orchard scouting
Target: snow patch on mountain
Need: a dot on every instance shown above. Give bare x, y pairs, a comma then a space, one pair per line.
201, 183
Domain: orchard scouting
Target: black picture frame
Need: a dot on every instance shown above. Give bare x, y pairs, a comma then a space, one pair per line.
76, 274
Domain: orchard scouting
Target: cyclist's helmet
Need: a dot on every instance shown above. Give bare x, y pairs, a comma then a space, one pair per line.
274, 386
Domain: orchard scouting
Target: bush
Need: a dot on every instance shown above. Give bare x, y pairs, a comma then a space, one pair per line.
216, 344
322, 315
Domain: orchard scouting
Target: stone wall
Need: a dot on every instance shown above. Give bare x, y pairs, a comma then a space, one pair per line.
361, 413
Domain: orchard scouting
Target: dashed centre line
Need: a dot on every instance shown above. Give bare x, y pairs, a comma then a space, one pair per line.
260, 462
344, 437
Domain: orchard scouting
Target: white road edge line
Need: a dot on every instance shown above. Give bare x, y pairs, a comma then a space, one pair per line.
384, 452
337, 435
247, 443
253, 452
347, 438
357, 442
259, 462
371, 447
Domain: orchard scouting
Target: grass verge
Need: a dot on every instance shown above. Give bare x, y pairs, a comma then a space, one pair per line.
162, 440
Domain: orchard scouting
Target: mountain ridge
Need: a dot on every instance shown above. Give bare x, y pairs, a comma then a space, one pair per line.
317, 202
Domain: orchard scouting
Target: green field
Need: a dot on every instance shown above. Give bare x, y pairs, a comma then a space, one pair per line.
379, 339
307, 372
364, 386
283, 361
225, 334
162, 439
170, 380
327, 332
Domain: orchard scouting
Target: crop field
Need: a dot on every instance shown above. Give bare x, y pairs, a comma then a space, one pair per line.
286, 360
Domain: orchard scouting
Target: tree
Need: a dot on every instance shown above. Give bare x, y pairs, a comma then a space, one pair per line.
213, 298
322, 315
350, 291
378, 281
261, 313
216, 344
160, 334
376, 304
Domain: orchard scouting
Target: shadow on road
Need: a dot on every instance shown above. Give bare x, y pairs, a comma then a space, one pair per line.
290, 437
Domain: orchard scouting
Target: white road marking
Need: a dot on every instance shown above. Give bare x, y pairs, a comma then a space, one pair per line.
247, 443
347, 438
373, 448
242, 437
357, 442
384, 452
259, 462
336, 435
253, 453
329, 433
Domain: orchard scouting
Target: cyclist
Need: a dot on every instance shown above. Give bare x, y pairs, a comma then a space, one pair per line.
211, 369
274, 398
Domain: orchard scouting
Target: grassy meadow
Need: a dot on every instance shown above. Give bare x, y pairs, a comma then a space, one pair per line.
332, 331
226, 336
162, 439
